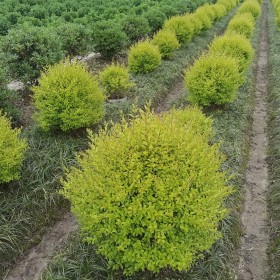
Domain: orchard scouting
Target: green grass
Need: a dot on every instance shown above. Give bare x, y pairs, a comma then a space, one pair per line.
27, 205
80, 261
274, 145
30, 204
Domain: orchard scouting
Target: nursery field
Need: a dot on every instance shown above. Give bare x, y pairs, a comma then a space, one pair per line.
140, 140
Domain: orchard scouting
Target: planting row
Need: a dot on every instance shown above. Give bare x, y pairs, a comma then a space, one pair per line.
146, 56
215, 77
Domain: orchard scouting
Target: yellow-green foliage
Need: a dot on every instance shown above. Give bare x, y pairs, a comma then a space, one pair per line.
143, 57
167, 42
228, 4
276, 6
197, 23
207, 9
182, 26
249, 16
277, 16
236, 46
203, 16
276, 3
241, 24
12, 150
149, 194
213, 79
67, 97
115, 80
220, 10
250, 6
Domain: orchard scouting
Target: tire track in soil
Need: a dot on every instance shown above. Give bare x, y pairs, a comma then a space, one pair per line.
34, 263
253, 258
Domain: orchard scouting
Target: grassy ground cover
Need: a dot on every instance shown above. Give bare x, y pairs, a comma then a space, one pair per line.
232, 123
31, 203
274, 145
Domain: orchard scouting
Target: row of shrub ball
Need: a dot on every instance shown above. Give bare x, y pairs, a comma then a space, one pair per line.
215, 77
145, 56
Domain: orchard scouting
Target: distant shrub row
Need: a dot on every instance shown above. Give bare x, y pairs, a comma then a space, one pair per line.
68, 97
215, 77
178, 30
36, 34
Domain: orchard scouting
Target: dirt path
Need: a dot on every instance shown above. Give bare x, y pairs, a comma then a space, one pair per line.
37, 259
253, 263
175, 92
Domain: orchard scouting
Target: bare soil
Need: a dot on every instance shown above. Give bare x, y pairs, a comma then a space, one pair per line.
175, 92
253, 256
33, 264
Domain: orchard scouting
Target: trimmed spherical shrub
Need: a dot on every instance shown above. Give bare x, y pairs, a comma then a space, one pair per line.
204, 18
182, 26
252, 7
207, 9
108, 38
241, 24
136, 27
167, 42
12, 150
197, 23
155, 18
76, 38
115, 81
143, 57
67, 97
149, 194
220, 10
29, 49
213, 80
236, 46
228, 4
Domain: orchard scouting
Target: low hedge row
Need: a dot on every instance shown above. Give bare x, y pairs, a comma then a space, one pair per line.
34, 35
